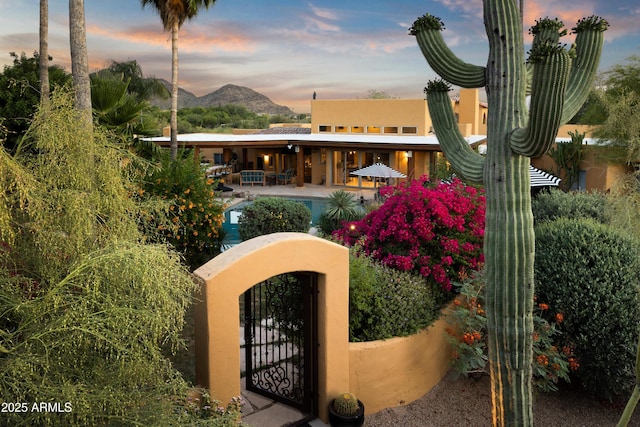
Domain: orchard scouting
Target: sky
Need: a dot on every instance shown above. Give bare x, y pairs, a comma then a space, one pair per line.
289, 49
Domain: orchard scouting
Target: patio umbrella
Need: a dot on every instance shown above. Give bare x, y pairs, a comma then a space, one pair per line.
542, 179
378, 170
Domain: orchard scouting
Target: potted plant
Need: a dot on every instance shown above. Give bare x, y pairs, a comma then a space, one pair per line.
346, 411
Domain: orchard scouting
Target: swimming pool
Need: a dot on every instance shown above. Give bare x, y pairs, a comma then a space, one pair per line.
232, 215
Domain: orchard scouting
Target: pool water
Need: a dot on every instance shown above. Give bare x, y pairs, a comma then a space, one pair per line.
232, 215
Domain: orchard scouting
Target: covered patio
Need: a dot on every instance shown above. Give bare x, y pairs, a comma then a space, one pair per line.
320, 159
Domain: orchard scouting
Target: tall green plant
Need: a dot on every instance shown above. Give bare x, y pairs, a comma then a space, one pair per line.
568, 156
515, 133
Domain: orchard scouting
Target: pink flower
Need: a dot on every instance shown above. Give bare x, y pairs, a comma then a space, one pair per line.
436, 230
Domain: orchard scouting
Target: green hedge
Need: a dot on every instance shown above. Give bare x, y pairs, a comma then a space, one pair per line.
555, 204
272, 215
385, 302
589, 272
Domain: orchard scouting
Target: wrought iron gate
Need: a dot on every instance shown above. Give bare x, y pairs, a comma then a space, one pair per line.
280, 334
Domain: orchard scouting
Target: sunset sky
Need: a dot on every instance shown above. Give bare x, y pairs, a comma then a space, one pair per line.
288, 49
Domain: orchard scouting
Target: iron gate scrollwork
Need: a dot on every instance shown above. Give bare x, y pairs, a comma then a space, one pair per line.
280, 332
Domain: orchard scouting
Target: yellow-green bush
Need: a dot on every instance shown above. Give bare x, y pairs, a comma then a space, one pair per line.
87, 307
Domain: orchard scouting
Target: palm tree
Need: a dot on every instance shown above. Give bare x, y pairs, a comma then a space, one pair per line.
141, 87
116, 109
80, 61
173, 14
44, 50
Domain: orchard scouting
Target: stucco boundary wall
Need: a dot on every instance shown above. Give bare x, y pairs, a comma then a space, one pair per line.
383, 374
395, 372
216, 312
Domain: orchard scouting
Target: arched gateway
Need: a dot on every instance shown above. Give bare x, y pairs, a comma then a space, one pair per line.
229, 275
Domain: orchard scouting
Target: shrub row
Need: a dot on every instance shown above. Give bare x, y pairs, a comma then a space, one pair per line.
385, 302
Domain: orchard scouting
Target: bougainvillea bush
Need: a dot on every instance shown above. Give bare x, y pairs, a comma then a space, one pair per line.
434, 230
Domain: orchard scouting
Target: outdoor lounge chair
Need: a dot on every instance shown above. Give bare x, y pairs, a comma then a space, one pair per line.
286, 177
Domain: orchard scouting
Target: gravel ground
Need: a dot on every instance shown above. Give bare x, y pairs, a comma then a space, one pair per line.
467, 402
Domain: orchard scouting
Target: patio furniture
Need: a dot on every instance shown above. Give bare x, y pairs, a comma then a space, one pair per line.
286, 177
217, 171
252, 177
271, 178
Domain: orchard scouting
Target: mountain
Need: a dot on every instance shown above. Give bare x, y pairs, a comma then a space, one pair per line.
227, 94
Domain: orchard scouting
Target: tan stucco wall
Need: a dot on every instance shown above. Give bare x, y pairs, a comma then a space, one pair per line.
371, 112
600, 175
564, 130
229, 275
395, 372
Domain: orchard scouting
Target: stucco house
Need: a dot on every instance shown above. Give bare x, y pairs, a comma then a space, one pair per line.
346, 135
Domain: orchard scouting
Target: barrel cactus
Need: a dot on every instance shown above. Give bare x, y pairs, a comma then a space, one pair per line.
558, 81
346, 405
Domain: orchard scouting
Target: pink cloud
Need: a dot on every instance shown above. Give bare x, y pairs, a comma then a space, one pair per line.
190, 38
324, 13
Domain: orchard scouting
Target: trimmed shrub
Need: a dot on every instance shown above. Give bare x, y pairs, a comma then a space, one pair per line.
554, 204
386, 303
273, 215
434, 231
589, 272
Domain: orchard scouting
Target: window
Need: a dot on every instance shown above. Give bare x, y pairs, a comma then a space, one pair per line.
324, 128
410, 129
357, 129
342, 129
391, 129
373, 129
581, 184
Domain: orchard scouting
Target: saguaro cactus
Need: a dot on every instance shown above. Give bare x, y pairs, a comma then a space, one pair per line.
560, 81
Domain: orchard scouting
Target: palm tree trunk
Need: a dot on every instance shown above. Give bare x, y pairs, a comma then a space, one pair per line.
80, 61
174, 89
44, 51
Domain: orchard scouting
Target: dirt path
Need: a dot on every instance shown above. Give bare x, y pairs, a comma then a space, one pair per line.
467, 402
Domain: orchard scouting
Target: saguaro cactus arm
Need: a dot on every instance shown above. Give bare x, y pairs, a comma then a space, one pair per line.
463, 158
550, 76
546, 30
443, 61
588, 48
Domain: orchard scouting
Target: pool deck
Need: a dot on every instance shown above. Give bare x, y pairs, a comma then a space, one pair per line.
290, 190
